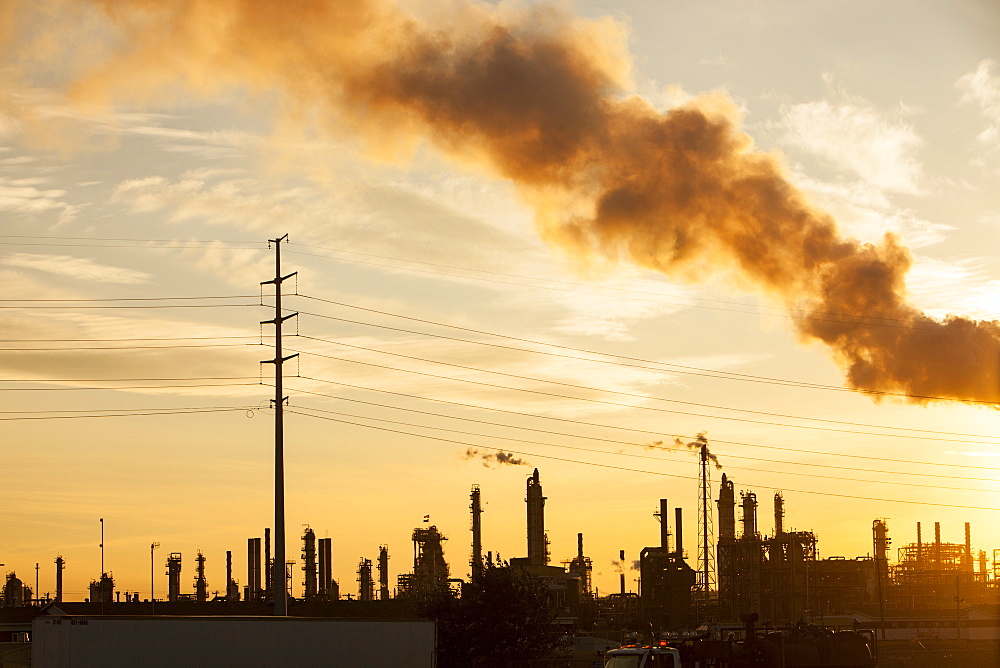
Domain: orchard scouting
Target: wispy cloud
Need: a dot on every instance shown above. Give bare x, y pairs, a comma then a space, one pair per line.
856, 137
981, 88
76, 267
23, 196
865, 212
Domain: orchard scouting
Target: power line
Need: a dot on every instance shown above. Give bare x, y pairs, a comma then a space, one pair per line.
800, 314
172, 338
628, 454
175, 347
676, 368
110, 410
167, 241
620, 428
130, 299
632, 470
120, 387
634, 407
118, 380
129, 306
679, 450
127, 414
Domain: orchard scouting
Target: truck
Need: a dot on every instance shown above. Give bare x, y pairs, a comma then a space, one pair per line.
635, 656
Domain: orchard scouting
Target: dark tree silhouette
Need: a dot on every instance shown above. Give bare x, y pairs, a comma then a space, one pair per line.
502, 617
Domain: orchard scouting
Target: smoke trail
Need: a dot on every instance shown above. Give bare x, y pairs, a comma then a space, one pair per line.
498, 458
538, 97
694, 446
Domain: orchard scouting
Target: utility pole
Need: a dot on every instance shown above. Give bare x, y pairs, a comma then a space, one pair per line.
280, 590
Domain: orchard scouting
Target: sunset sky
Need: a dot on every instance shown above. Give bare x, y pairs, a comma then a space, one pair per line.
498, 247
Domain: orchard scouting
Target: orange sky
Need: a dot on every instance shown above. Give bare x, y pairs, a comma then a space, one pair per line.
567, 232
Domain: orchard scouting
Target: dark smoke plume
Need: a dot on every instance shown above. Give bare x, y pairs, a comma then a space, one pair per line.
694, 446
498, 458
539, 98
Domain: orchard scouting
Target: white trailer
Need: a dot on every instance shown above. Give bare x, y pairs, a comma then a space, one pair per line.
66, 641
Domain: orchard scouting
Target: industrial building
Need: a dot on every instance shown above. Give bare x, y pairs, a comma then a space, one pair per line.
933, 588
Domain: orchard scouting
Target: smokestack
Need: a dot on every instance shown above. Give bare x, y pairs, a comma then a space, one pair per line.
477, 534
232, 591
537, 552
621, 557
920, 549
779, 514
937, 546
664, 526
679, 532
60, 565
253, 569
579, 546
967, 557
268, 566
325, 572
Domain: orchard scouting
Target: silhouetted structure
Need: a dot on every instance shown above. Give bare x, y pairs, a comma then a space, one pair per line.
366, 586
383, 573
327, 589
60, 567
253, 591
200, 583
430, 570
173, 576
582, 566
477, 534
309, 585
102, 590
665, 580
538, 549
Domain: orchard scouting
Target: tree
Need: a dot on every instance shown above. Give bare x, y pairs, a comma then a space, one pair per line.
502, 617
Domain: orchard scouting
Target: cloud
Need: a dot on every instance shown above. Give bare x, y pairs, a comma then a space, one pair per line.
76, 267
863, 211
981, 88
22, 196
856, 137
944, 288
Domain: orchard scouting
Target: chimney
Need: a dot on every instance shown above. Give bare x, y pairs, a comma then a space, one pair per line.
678, 533
920, 549
621, 556
664, 526
537, 552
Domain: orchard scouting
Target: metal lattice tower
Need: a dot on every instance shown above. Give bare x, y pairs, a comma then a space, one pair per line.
706, 531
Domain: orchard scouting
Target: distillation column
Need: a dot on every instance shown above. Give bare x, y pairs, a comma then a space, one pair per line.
309, 564
383, 573
200, 583
174, 576
366, 591
538, 553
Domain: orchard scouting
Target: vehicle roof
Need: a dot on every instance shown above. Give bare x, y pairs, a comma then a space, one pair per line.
626, 651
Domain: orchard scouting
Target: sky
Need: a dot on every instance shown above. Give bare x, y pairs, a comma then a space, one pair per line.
577, 233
